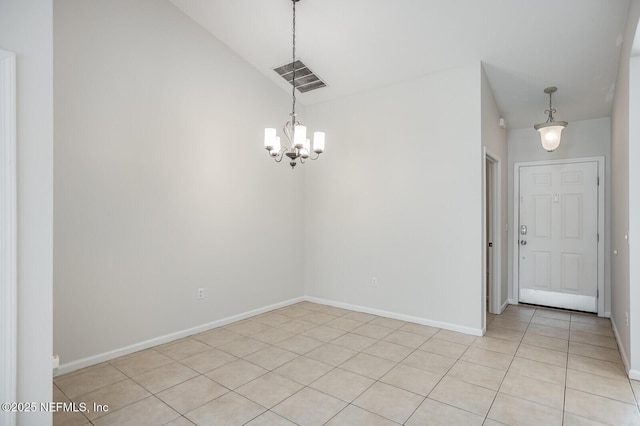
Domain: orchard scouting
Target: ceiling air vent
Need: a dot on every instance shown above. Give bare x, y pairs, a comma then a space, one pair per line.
306, 80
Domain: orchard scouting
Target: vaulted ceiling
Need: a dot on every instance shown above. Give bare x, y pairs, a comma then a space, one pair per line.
358, 45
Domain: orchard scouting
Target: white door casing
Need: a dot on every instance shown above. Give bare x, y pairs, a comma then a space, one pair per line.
557, 235
8, 235
489, 231
492, 232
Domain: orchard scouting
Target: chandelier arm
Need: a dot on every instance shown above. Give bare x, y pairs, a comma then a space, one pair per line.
288, 131
316, 157
278, 158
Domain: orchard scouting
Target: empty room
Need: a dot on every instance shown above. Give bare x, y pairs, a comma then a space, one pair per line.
309, 212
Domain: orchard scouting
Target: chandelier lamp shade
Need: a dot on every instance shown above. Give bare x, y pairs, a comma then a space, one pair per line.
298, 147
551, 130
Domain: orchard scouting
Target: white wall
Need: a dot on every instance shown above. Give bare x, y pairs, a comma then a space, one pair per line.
494, 138
587, 138
398, 196
620, 224
161, 182
26, 29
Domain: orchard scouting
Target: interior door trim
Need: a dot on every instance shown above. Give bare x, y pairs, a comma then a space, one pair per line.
497, 301
603, 291
8, 235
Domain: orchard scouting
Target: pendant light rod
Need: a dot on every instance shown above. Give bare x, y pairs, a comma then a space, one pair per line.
551, 110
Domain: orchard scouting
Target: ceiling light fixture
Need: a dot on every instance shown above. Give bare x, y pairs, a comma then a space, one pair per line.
299, 146
550, 131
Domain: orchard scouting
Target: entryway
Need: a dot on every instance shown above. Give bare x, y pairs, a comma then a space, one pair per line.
558, 246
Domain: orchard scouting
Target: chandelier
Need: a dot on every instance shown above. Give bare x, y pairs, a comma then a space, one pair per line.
299, 147
550, 131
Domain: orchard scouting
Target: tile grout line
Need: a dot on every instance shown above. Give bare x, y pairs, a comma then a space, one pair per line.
506, 371
566, 377
305, 386
334, 367
375, 380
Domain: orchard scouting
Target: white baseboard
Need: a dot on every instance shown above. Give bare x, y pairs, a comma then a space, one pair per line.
504, 305
106, 356
634, 374
623, 354
402, 317
512, 302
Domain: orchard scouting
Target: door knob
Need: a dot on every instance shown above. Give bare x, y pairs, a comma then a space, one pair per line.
523, 242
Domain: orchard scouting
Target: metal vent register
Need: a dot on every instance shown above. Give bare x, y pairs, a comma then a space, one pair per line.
305, 81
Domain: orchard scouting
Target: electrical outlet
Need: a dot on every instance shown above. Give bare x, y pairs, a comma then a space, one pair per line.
201, 293
626, 319
374, 282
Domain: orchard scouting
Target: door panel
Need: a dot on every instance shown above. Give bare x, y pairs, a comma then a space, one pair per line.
542, 270
558, 241
571, 272
572, 216
542, 216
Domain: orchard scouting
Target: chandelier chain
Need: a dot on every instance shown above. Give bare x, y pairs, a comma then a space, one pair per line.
293, 65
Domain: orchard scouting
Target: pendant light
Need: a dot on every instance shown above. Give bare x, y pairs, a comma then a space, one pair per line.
551, 130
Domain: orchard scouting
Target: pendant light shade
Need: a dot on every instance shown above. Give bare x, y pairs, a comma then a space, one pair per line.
269, 138
299, 136
551, 130
550, 135
318, 142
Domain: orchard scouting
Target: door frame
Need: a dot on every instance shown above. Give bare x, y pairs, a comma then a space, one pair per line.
8, 235
601, 229
495, 287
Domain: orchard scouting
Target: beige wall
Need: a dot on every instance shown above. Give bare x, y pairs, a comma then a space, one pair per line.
398, 197
161, 182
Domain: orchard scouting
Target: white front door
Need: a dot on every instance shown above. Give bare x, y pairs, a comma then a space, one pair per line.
558, 235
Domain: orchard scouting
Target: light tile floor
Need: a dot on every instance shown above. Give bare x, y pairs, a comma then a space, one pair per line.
311, 364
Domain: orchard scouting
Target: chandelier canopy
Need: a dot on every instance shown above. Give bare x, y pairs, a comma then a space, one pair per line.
299, 147
551, 130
